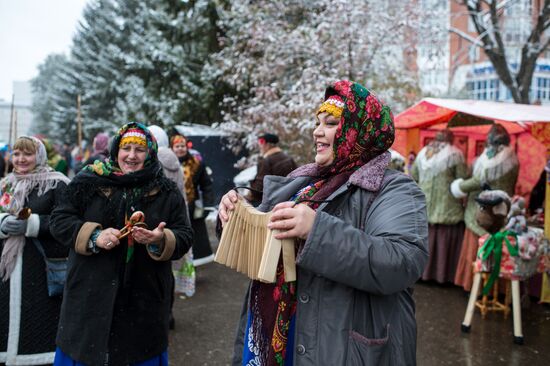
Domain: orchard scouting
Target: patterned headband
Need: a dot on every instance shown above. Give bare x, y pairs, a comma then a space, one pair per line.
133, 136
334, 106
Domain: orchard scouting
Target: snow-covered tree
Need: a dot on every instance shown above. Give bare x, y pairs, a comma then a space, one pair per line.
55, 93
138, 60
44, 87
489, 18
170, 42
97, 65
279, 57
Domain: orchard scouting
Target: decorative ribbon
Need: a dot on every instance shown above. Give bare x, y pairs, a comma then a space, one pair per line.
493, 246
137, 219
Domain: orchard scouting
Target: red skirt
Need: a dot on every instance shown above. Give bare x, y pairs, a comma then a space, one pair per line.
465, 269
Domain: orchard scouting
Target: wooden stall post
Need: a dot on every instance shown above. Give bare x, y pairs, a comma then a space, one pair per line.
545, 292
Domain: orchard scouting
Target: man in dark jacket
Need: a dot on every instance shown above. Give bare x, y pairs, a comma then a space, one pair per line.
273, 162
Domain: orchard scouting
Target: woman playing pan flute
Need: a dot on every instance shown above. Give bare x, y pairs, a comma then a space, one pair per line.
362, 233
117, 297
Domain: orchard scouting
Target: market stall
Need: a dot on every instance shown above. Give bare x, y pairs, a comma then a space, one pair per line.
470, 120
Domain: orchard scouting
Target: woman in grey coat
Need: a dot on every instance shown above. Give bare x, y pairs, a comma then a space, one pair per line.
361, 233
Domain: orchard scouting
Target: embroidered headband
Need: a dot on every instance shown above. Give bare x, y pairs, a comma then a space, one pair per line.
133, 136
334, 106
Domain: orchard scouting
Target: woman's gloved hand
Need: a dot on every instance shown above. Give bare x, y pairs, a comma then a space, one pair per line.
11, 225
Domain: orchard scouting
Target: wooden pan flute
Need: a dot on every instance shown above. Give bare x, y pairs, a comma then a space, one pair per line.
249, 247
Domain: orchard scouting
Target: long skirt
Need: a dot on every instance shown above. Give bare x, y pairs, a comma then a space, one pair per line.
465, 269
444, 243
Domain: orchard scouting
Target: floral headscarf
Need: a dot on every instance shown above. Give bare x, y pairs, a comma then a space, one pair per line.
365, 131
101, 144
366, 127
111, 166
108, 174
135, 185
442, 139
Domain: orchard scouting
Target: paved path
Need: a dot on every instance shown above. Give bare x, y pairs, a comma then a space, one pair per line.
206, 324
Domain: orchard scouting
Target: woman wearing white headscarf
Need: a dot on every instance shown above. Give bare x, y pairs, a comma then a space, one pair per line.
28, 329
183, 269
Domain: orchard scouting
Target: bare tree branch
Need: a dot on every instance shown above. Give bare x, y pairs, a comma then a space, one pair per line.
466, 36
486, 15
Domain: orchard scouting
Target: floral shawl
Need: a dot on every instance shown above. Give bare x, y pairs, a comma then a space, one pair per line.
14, 191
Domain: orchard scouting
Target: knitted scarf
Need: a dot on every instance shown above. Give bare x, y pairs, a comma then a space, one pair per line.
365, 131
14, 190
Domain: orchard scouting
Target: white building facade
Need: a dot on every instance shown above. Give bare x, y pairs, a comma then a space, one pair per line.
22, 113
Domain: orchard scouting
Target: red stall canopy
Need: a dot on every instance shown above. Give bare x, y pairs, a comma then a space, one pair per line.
430, 111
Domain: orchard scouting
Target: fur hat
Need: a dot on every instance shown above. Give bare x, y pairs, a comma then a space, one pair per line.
498, 136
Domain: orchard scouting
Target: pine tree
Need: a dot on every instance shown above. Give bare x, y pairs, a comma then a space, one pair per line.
44, 87
138, 60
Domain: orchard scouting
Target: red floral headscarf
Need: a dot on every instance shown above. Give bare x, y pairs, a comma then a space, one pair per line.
365, 131
366, 127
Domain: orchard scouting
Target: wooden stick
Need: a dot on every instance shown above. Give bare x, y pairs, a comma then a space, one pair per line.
11, 120
79, 124
516, 308
289, 260
14, 125
6, 158
471, 301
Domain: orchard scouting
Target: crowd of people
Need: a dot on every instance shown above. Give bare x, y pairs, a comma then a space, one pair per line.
119, 234
125, 221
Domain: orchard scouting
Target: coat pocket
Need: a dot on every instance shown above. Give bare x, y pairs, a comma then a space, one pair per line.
368, 351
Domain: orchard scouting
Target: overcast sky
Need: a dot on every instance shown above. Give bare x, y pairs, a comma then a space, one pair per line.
30, 30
